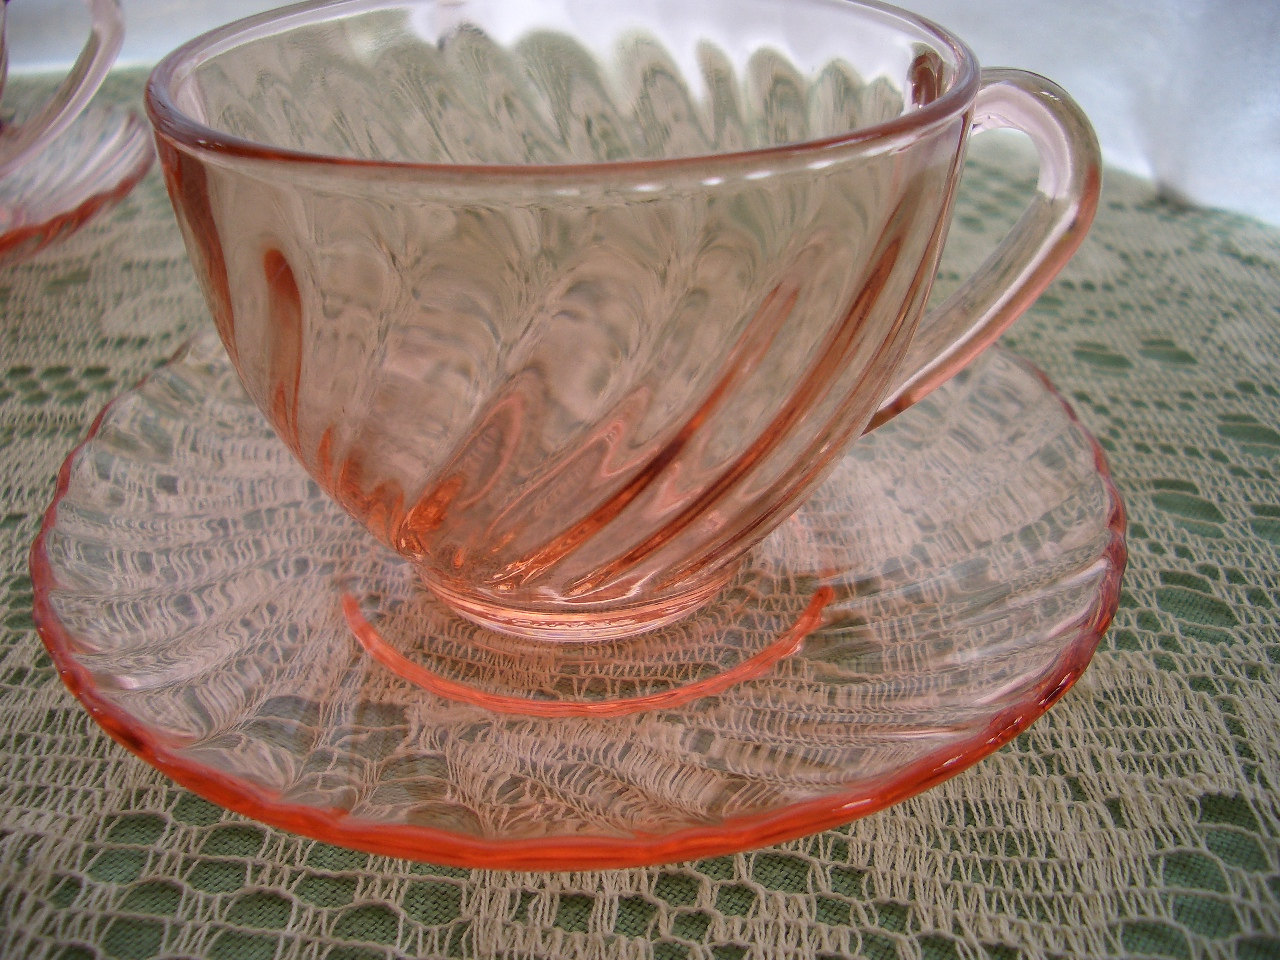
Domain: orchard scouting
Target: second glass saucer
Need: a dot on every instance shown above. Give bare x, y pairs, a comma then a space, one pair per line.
217, 614
87, 168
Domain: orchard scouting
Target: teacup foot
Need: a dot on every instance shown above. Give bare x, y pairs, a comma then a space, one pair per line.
583, 624
661, 697
700, 649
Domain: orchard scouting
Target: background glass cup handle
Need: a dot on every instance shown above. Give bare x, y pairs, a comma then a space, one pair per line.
953, 333
20, 141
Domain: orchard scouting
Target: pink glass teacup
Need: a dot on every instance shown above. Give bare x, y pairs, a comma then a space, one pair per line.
571, 303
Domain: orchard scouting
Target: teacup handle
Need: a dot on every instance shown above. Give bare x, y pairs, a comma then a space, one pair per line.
19, 142
952, 334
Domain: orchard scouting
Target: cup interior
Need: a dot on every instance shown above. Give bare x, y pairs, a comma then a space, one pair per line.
514, 82
4, 44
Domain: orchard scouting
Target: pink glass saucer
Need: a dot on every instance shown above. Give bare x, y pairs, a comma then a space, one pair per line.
86, 169
940, 592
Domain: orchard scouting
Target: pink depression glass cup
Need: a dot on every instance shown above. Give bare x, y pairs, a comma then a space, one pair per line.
20, 143
572, 303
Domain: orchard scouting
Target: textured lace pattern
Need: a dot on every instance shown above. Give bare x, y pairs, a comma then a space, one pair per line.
1139, 817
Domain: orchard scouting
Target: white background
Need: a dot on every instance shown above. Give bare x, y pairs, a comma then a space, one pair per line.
1186, 92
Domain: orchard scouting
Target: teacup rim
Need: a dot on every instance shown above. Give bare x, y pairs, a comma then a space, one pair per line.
170, 122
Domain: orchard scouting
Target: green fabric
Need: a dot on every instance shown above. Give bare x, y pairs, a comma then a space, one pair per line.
1140, 817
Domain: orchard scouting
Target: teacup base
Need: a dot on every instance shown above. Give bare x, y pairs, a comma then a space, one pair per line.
583, 624
736, 627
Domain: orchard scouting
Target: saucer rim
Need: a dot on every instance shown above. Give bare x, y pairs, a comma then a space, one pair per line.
584, 851
33, 236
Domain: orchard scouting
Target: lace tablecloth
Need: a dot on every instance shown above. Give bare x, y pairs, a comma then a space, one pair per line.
1140, 817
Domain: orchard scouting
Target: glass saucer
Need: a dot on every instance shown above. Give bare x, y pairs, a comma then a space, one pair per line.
86, 169
943, 589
